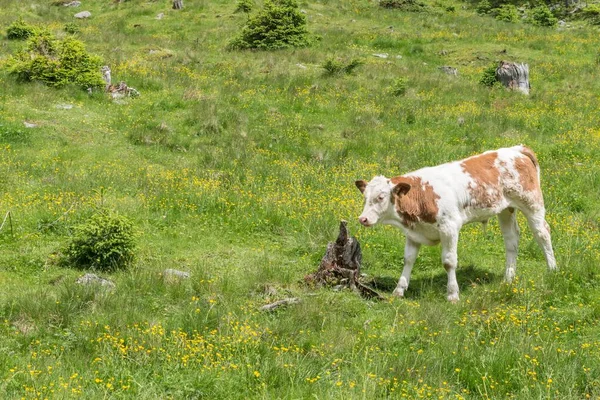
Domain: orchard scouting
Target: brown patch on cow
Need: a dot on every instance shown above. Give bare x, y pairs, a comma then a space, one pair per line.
528, 177
482, 169
361, 185
415, 200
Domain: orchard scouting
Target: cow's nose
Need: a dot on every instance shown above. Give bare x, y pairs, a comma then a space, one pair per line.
363, 220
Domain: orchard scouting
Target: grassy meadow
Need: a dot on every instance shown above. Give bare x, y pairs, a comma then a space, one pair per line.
237, 166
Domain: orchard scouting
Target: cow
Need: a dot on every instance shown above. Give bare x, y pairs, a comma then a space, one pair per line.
432, 204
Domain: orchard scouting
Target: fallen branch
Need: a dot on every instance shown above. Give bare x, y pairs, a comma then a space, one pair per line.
280, 303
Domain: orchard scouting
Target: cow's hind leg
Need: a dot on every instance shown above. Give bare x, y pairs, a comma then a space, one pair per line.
510, 231
449, 240
411, 250
541, 231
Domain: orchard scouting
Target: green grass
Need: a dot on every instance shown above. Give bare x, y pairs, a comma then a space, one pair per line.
237, 166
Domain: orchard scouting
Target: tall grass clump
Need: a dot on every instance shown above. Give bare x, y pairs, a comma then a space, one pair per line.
403, 5
56, 63
333, 66
105, 242
279, 25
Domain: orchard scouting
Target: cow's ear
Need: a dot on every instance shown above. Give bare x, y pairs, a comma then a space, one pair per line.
401, 189
361, 185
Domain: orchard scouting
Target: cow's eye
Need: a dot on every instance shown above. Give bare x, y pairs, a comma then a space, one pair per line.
381, 197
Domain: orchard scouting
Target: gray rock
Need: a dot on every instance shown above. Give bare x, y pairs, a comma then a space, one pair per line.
449, 70
83, 15
381, 55
171, 275
29, 125
64, 106
73, 4
160, 16
93, 279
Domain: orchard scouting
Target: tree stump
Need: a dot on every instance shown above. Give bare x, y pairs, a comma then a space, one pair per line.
514, 76
340, 265
177, 4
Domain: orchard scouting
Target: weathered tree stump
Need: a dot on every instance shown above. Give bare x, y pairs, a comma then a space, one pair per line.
177, 4
340, 265
514, 76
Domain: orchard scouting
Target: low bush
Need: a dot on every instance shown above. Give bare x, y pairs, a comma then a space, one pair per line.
20, 30
403, 5
56, 62
245, 6
105, 242
279, 25
488, 78
542, 16
507, 13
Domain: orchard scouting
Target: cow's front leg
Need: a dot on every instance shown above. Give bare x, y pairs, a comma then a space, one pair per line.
449, 240
411, 250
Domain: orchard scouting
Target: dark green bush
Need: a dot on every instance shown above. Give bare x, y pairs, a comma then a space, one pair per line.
488, 78
507, 13
403, 5
20, 30
591, 13
483, 7
56, 62
72, 28
105, 242
279, 25
245, 6
542, 16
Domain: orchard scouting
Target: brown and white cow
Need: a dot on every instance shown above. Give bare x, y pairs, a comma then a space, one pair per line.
432, 204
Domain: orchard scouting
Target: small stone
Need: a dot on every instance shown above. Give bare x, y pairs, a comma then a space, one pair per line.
160, 16
303, 11
83, 15
449, 70
301, 66
173, 275
93, 279
73, 4
64, 106
381, 55
461, 121
29, 125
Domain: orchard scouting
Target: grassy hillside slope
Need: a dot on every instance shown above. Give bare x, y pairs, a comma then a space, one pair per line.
238, 165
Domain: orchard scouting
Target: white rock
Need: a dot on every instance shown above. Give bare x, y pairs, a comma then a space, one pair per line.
93, 279
381, 55
83, 14
73, 4
29, 125
64, 106
160, 16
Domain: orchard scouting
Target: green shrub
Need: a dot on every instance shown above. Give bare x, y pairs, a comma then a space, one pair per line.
542, 16
507, 13
399, 87
20, 30
591, 13
488, 78
333, 66
404, 5
483, 7
245, 6
279, 25
105, 242
72, 28
56, 62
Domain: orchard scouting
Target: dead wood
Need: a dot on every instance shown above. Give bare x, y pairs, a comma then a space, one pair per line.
280, 303
514, 76
340, 266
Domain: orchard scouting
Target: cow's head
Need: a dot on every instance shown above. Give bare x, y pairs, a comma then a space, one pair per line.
378, 200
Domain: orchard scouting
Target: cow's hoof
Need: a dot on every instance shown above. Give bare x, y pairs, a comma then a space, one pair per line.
453, 298
398, 292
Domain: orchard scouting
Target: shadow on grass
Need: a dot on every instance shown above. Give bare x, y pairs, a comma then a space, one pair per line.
467, 277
